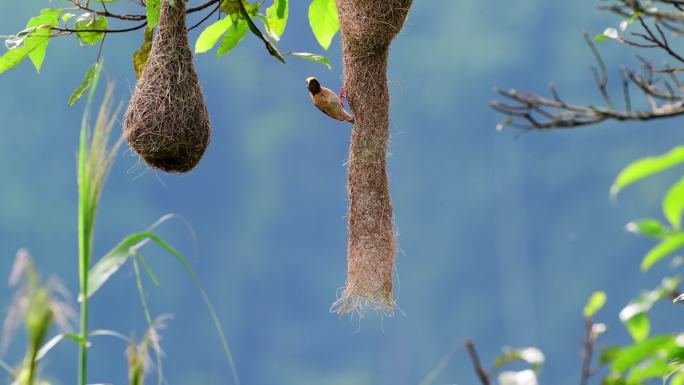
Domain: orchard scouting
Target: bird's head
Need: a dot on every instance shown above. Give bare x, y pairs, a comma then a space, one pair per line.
313, 85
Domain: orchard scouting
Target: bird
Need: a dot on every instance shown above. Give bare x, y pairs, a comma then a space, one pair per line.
327, 101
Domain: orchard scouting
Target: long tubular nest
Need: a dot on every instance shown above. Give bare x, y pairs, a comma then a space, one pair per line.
368, 28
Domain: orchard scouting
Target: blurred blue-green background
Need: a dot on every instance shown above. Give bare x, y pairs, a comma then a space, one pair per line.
502, 238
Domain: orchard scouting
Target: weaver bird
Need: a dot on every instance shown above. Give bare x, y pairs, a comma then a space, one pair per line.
327, 101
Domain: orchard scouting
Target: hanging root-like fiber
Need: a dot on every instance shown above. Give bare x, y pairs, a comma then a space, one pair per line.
167, 122
367, 29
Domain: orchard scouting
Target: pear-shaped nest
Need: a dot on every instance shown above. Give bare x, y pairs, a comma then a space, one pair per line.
167, 122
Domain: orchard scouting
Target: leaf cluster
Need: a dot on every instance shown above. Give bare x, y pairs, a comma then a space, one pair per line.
236, 19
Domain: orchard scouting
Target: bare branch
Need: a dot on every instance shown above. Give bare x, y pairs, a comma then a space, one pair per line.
660, 88
135, 17
477, 365
588, 350
105, 31
600, 74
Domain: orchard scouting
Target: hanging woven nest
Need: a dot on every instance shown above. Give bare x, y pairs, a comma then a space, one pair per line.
367, 29
167, 122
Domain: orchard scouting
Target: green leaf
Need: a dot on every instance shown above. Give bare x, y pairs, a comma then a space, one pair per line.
244, 13
646, 167
668, 245
113, 260
655, 368
609, 355
85, 83
91, 22
323, 21
233, 36
312, 57
31, 42
252, 9
142, 54
677, 379
648, 227
67, 16
639, 326
595, 303
152, 10
632, 355
14, 56
600, 37
673, 204
635, 314
208, 38
48, 17
276, 15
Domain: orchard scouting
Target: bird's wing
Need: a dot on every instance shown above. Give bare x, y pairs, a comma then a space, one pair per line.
336, 104
329, 104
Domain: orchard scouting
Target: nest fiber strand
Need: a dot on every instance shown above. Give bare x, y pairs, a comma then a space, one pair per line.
167, 122
367, 29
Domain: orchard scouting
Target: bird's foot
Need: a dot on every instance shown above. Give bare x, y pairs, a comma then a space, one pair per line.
342, 95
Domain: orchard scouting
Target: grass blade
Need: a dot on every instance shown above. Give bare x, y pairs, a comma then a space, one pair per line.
148, 316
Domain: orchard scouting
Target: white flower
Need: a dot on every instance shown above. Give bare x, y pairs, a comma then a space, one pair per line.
623, 25
611, 33
598, 328
525, 377
532, 356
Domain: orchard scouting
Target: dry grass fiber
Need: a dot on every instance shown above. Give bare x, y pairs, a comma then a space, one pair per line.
167, 122
368, 28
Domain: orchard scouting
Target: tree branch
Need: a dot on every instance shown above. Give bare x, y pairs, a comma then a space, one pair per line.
588, 350
664, 94
71, 30
135, 17
477, 365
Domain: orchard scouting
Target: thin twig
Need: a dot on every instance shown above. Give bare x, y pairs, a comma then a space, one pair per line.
135, 17
477, 365
588, 350
600, 74
218, 7
71, 30
99, 50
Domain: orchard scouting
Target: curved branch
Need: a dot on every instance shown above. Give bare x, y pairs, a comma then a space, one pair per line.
208, 15
71, 30
136, 17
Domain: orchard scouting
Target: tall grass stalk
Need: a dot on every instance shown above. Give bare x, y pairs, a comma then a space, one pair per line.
94, 161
